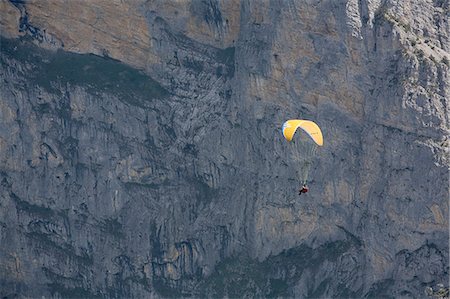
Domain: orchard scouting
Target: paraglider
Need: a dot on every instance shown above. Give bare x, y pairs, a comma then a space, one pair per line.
303, 146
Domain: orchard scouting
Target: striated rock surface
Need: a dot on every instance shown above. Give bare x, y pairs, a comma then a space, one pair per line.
141, 152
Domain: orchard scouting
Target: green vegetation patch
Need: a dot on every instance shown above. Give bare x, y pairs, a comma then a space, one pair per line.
50, 69
381, 289
165, 290
70, 292
240, 276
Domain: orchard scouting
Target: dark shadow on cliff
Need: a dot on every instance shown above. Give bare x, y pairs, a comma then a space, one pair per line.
54, 70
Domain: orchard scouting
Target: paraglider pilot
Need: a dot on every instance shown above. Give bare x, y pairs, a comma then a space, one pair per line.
303, 189
304, 151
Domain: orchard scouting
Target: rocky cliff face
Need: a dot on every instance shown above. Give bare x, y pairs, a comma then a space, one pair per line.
141, 152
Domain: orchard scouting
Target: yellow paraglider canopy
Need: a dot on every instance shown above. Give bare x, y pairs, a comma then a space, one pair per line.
311, 128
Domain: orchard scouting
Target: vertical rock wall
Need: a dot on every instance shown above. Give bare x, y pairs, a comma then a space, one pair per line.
171, 177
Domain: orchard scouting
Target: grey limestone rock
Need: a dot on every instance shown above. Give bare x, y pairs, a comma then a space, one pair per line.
171, 178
